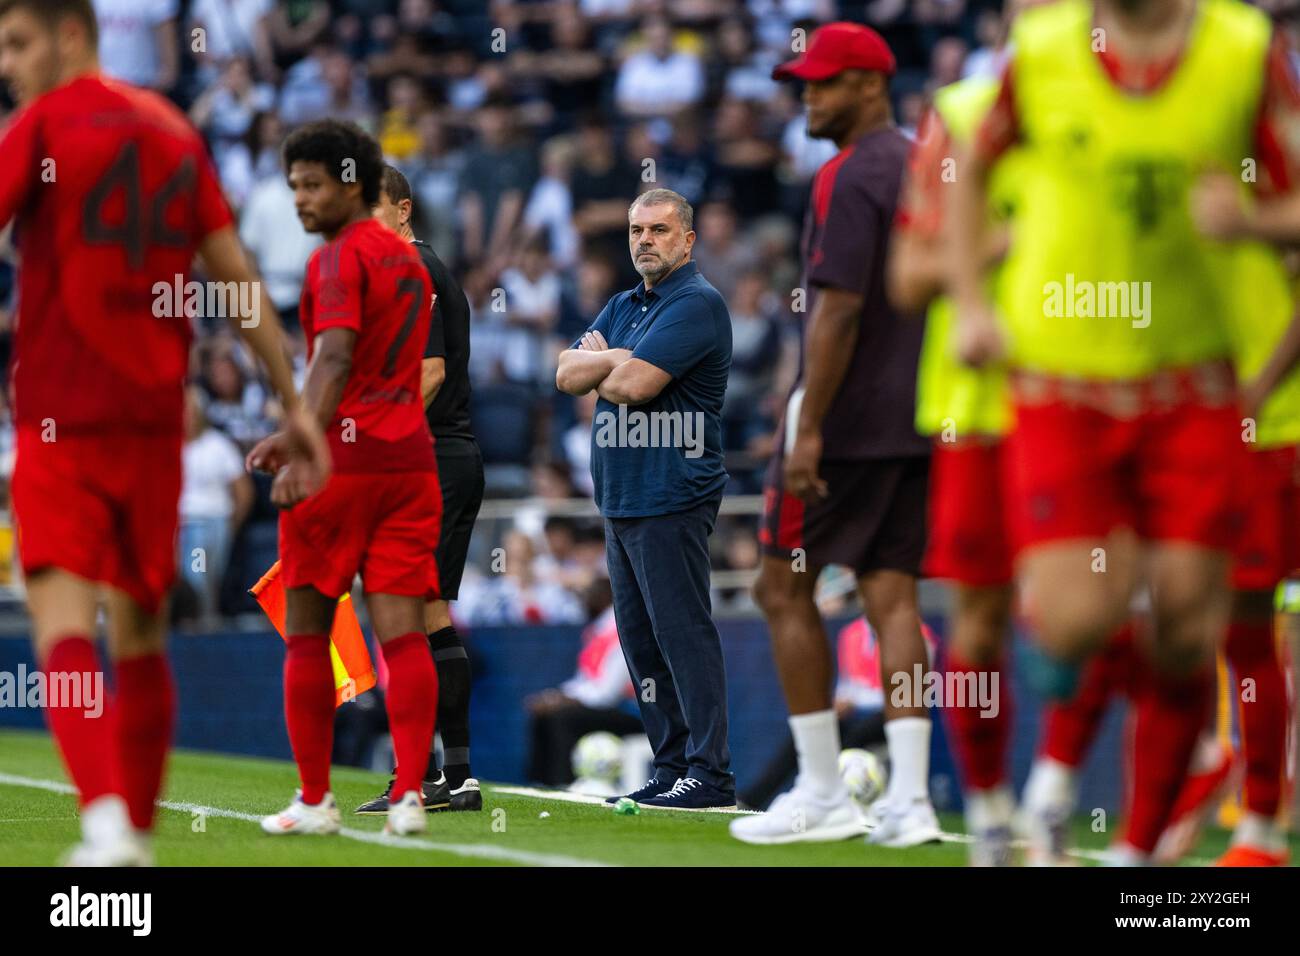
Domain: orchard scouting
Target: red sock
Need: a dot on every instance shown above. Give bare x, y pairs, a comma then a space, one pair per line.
1253, 655
1071, 726
412, 706
309, 710
81, 728
980, 741
146, 712
1169, 716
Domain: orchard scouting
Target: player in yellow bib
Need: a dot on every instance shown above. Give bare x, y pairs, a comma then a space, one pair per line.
965, 412
1118, 334
1267, 335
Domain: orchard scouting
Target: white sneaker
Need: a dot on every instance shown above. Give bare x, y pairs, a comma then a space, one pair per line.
912, 824
799, 816
300, 817
874, 813
406, 816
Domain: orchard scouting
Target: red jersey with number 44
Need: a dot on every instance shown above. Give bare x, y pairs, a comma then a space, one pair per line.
112, 192
373, 282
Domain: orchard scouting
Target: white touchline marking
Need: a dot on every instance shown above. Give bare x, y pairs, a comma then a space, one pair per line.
483, 850
478, 850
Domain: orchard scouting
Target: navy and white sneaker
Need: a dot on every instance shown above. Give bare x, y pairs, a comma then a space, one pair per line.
691, 794
652, 789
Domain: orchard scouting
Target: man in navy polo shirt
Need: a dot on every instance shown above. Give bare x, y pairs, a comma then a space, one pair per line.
658, 357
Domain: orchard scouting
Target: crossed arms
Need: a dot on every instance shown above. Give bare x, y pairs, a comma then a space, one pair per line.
616, 376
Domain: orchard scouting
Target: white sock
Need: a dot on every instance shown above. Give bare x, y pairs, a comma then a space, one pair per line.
1257, 830
1051, 784
909, 759
817, 742
989, 809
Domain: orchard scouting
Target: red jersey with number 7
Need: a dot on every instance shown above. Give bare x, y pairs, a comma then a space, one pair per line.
373, 282
112, 192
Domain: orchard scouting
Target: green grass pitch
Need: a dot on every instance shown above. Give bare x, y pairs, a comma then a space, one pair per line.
212, 802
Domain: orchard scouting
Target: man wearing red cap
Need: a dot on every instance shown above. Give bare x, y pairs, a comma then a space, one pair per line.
848, 483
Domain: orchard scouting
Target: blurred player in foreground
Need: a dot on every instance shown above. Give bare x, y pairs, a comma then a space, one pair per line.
1267, 346
365, 310
967, 413
444, 388
1125, 447
848, 483
113, 193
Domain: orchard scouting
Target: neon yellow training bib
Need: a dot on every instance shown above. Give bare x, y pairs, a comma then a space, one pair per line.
1107, 277
952, 398
1264, 302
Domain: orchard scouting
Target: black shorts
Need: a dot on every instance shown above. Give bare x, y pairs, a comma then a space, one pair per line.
460, 473
872, 519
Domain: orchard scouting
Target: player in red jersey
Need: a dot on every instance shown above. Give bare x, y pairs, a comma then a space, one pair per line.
113, 196
366, 309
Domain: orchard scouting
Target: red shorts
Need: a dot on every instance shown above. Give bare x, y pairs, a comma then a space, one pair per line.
1268, 543
968, 542
384, 526
1167, 470
102, 507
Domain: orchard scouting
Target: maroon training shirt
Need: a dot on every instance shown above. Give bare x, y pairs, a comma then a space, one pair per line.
845, 239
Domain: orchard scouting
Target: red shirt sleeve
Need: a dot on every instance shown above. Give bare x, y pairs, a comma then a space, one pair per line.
920, 209
338, 289
1000, 129
21, 166
211, 211
1277, 130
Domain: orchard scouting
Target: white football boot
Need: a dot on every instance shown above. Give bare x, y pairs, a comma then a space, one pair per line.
800, 816
406, 816
301, 817
989, 815
1044, 818
904, 825
108, 839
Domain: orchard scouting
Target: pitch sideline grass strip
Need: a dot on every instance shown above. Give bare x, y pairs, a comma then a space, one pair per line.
478, 850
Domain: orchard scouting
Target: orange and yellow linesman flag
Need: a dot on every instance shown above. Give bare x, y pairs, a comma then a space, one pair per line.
354, 673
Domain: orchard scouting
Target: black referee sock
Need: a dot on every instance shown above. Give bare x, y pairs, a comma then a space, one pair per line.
452, 661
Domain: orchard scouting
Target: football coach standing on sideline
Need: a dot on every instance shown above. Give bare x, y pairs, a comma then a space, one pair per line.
658, 357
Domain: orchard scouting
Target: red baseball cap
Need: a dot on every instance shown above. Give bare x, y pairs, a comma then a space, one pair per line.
836, 47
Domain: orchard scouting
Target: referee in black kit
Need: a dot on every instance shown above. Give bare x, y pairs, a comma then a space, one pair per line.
444, 385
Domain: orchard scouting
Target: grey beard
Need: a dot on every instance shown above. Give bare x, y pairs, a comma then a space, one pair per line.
655, 275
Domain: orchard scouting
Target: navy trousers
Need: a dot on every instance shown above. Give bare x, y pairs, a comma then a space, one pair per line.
659, 572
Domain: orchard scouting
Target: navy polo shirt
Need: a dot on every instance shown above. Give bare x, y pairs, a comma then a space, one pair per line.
664, 456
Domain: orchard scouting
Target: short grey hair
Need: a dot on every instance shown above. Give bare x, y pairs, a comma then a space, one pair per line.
666, 197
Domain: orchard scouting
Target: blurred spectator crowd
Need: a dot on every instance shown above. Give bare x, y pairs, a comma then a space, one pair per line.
525, 127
